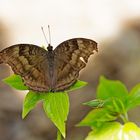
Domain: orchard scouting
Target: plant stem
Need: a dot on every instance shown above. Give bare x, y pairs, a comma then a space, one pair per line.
124, 117
59, 135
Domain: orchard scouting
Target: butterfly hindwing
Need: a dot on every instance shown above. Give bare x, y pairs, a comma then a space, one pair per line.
30, 62
70, 57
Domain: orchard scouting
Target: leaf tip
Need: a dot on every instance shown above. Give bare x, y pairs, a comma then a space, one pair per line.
102, 77
23, 116
63, 134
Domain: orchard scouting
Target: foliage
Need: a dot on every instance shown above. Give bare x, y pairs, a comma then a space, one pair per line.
115, 131
55, 105
113, 101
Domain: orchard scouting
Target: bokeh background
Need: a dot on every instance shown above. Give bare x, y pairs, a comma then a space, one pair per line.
114, 24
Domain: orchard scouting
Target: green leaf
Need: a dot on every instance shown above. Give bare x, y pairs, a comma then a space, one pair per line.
97, 117
106, 132
97, 103
16, 82
110, 88
116, 106
30, 102
56, 106
133, 99
115, 131
77, 85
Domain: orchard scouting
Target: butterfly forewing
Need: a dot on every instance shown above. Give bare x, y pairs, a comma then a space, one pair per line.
70, 57
30, 62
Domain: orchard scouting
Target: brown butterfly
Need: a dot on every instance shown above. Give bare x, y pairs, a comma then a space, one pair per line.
49, 70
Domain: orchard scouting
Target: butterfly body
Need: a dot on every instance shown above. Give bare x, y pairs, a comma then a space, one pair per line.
49, 70
51, 67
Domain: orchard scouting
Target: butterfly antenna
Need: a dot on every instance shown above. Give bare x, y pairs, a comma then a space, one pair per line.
49, 34
44, 35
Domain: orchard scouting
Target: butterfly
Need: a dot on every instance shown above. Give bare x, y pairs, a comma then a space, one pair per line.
49, 70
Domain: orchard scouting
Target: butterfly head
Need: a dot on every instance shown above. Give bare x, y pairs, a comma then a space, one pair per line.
49, 48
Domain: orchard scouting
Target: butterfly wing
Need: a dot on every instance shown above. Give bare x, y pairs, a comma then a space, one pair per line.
70, 57
30, 62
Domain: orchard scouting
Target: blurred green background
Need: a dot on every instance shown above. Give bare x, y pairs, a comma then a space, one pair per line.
114, 24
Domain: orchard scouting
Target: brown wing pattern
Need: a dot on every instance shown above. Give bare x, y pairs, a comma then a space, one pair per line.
70, 57
30, 62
